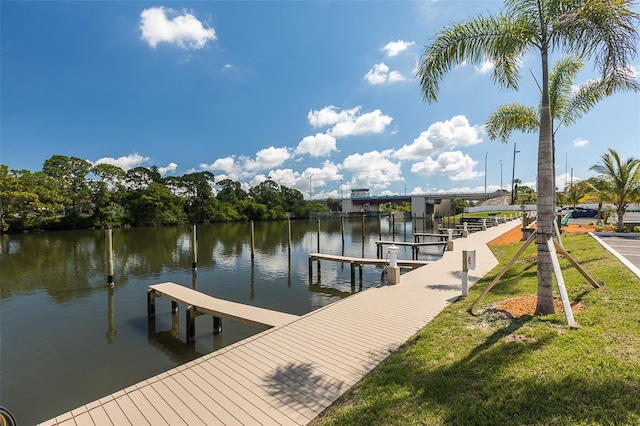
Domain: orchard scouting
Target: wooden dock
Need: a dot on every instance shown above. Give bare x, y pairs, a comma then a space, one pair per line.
199, 303
289, 374
415, 246
358, 262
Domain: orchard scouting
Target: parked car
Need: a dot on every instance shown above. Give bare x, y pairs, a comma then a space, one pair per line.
582, 212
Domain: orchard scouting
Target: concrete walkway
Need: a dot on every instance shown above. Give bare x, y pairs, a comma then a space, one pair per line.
289, 374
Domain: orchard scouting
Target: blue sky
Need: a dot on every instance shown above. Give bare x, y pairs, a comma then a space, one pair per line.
312, 94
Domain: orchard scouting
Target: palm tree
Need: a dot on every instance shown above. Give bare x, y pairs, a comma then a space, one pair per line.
602, 30
618, 182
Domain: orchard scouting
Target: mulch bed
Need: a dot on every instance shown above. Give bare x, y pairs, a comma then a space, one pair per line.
526, 305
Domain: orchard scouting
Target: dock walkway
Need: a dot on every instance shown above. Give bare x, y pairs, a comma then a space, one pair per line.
289, 374
199, 303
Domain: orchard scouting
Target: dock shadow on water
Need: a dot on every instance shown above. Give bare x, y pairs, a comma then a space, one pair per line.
61, 323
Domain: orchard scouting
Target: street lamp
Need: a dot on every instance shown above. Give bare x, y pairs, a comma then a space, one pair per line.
500, 177
310, 190
485, 172
513, 172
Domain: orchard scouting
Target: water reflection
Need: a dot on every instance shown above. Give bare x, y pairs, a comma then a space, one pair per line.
54, 289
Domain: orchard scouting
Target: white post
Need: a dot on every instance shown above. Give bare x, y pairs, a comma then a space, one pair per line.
465, 231
484, 224
450, 240
393, 271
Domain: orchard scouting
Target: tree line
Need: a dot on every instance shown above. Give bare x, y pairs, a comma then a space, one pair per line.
71, 193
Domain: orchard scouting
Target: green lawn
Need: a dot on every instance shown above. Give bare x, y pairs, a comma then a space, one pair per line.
493, 369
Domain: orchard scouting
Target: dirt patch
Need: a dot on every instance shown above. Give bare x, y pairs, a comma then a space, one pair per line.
526, 305
515, 235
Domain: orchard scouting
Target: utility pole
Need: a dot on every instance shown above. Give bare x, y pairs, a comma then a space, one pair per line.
513, 173
485, 172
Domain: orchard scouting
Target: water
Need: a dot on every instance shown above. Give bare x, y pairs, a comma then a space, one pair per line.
67, 339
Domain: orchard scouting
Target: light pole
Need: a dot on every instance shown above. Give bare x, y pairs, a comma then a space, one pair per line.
485, 172
500, 177
513, 172
310, 190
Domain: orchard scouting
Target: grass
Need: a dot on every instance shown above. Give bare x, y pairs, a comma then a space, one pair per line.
491, 368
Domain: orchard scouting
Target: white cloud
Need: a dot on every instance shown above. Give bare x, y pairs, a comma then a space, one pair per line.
245, 167
373, 169
348, 122
579, 142
185, 31
380, 74
317, 146
330, 115
271, 157
126, 162
171, 167
454, 163
227, 165
371, 122
394, 47
485, 67
439, 137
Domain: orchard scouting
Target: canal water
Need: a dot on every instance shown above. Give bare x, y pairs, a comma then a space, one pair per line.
66, 338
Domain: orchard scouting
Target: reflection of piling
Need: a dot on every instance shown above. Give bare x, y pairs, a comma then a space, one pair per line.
342, 230
253, 241
194, 248
194, 280
318, 239
109, 257
111, 331
362, 220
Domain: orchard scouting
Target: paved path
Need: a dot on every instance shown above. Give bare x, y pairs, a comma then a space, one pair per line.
625, 247
289, 374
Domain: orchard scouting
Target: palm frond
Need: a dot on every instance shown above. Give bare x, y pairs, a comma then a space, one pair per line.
510, 117
603, 30
502, 39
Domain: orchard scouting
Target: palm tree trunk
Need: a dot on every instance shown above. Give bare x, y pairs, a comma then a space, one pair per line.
620, 219
546, 198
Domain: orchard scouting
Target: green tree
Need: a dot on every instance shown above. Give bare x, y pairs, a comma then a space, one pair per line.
155, 204
603, 30
140, 177
618, 182
198, 189
107, 192
577, 193
230, 191
71, 175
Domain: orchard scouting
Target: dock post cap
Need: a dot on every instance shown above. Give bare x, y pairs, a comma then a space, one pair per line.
392, 252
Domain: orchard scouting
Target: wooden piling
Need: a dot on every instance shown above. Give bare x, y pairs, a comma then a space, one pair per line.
191, 324
111, 331
289, 236
253, 241
194, 248
217, 325
342, 230
109, 257
318, 237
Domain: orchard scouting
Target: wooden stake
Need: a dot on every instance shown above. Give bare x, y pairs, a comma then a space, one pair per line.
504, 270
566, 305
